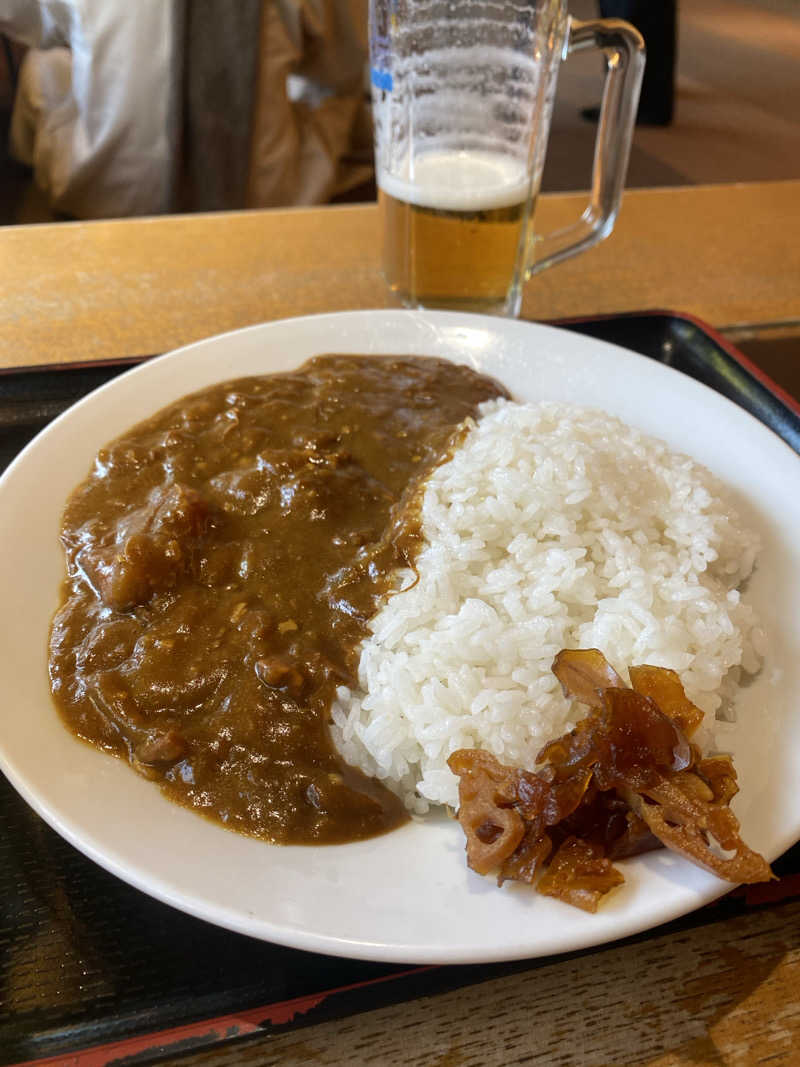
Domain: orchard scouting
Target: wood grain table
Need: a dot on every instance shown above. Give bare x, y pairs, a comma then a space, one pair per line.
723, 988
728, 254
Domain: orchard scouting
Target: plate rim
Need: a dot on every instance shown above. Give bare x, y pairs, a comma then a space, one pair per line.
293, 937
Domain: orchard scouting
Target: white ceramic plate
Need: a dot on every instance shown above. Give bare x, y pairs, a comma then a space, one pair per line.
408, 896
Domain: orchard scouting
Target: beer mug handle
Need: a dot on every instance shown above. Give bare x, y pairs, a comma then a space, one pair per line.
623, 47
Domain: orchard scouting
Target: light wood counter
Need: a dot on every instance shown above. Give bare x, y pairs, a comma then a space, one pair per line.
72, 291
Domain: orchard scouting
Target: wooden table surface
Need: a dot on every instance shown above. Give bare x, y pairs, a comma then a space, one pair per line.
728, 254
723, 991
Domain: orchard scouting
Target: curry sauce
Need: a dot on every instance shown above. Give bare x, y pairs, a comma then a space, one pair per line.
223, 561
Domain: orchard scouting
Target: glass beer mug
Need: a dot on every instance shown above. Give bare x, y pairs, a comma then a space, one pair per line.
462, 96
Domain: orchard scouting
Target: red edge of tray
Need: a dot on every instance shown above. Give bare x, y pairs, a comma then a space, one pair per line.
205, 1033
730, 349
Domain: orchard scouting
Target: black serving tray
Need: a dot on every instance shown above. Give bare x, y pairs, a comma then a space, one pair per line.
94, 971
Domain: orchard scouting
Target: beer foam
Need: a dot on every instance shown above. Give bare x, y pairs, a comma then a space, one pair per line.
451, 180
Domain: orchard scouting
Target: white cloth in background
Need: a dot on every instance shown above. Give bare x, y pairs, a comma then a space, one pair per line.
93, 107
100, 91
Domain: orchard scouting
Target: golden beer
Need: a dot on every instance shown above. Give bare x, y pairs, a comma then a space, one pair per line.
455, 235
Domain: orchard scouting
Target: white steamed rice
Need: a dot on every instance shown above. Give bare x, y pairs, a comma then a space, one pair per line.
551, 527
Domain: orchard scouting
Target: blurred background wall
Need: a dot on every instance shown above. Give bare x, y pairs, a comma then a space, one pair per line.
271, 109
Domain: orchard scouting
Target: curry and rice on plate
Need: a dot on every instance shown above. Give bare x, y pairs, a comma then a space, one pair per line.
309, 604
